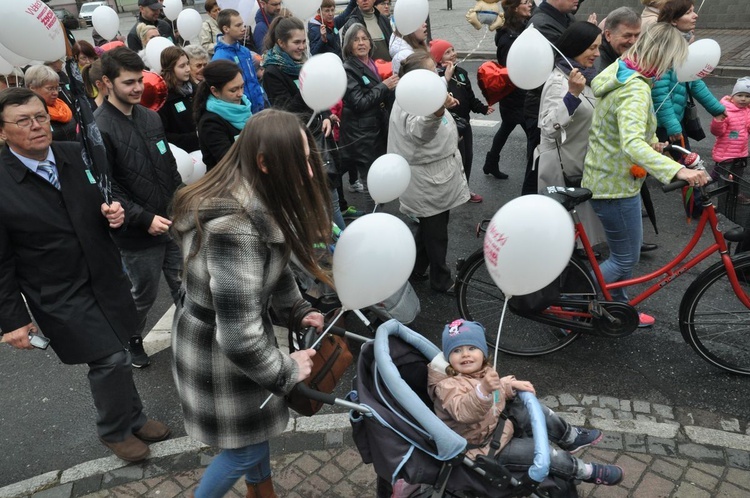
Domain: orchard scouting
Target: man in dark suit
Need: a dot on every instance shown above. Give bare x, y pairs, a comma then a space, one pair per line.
56, 252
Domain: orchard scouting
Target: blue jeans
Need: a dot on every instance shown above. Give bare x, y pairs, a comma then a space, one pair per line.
253, 461
144, 268
623, 227
338, 218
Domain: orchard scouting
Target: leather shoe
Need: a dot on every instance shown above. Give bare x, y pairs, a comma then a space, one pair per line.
130, 450
153, 431
646, 247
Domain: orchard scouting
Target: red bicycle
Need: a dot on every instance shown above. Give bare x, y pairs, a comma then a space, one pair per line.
714, 314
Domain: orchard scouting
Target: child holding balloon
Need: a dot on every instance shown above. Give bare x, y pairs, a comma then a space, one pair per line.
459, 86
473, 400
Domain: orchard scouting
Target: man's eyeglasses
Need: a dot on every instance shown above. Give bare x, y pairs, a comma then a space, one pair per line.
41, 119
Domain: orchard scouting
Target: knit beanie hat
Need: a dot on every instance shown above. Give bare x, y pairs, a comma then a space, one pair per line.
742, 86
463, 333
438, 48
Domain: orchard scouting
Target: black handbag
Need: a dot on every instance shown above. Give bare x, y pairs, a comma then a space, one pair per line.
461, 124
691, 123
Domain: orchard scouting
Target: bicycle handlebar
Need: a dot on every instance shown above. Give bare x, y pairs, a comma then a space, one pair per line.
675, 185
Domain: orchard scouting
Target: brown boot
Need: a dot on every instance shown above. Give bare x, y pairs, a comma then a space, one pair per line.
152, 431
263, 489
130, 450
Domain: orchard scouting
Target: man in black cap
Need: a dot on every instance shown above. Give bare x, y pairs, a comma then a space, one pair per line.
149, 12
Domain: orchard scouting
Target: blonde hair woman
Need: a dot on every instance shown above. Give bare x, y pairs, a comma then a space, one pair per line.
623, 132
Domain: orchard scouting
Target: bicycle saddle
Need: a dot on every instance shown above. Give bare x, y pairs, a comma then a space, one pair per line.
569, 197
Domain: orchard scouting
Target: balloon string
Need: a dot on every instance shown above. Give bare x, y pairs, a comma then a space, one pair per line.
317, 341
563, 56
499, 329
665, 98
699, 8
311, 119
375, 208
486, 32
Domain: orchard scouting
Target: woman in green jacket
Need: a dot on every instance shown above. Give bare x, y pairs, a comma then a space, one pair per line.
623, 143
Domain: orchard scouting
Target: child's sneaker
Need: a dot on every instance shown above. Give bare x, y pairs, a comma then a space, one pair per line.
585, 438
607, 475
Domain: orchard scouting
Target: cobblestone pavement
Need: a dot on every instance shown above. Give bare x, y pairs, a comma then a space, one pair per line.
665, 452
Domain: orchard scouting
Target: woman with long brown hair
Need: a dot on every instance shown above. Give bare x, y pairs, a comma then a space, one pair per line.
238, 226
176, 113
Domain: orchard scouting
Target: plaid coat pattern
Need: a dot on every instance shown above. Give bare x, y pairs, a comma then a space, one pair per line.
225, 365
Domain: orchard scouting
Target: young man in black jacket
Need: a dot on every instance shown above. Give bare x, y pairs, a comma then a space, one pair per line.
144, 179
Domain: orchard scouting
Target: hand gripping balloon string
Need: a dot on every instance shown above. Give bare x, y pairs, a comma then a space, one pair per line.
499, 329
317, 341
486, 32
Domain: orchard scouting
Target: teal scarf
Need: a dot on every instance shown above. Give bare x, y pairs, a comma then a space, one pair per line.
236, 114
277, 57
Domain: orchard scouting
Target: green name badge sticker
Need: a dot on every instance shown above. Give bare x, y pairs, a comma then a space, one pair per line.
180, 106
161, 146
92, 181
366, 80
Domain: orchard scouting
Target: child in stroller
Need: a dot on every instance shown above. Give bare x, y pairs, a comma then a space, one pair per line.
471, 398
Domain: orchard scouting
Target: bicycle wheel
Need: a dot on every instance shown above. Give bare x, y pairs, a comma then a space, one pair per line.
479, 299
714, 321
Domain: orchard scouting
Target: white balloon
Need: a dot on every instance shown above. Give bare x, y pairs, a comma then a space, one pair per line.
154, 48
410, 15
322, 81
184, 162
172, 9
373, 258
14, 59
189, 24
199, 167
6, 67
31, 30
528, 244
421, 92
388, 178
106, 22
703, 57
304, 9
530, 60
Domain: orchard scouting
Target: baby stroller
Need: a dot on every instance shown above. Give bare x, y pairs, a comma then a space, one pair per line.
395, 428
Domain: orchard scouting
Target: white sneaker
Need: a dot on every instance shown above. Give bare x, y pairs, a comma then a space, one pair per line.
356, 187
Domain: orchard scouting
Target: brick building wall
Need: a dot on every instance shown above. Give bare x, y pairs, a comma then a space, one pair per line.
714, 14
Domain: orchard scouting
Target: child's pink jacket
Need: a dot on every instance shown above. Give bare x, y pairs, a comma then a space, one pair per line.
732, 133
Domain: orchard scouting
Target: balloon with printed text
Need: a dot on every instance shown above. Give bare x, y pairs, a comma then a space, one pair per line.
528, 244
31, 30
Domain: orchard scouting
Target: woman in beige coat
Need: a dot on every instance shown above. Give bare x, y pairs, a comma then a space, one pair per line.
565, 117
430, 146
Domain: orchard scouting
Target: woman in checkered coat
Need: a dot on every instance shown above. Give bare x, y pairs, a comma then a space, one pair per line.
238, 226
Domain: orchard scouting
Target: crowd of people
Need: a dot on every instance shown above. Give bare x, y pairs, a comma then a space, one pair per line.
89, 272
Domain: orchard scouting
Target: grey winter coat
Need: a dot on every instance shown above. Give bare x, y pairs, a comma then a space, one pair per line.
430, 146
225, 356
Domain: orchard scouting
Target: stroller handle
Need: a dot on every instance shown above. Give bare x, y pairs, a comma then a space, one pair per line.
540, 468
328, 399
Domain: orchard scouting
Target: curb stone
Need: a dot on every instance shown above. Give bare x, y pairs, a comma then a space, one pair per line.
660, 435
